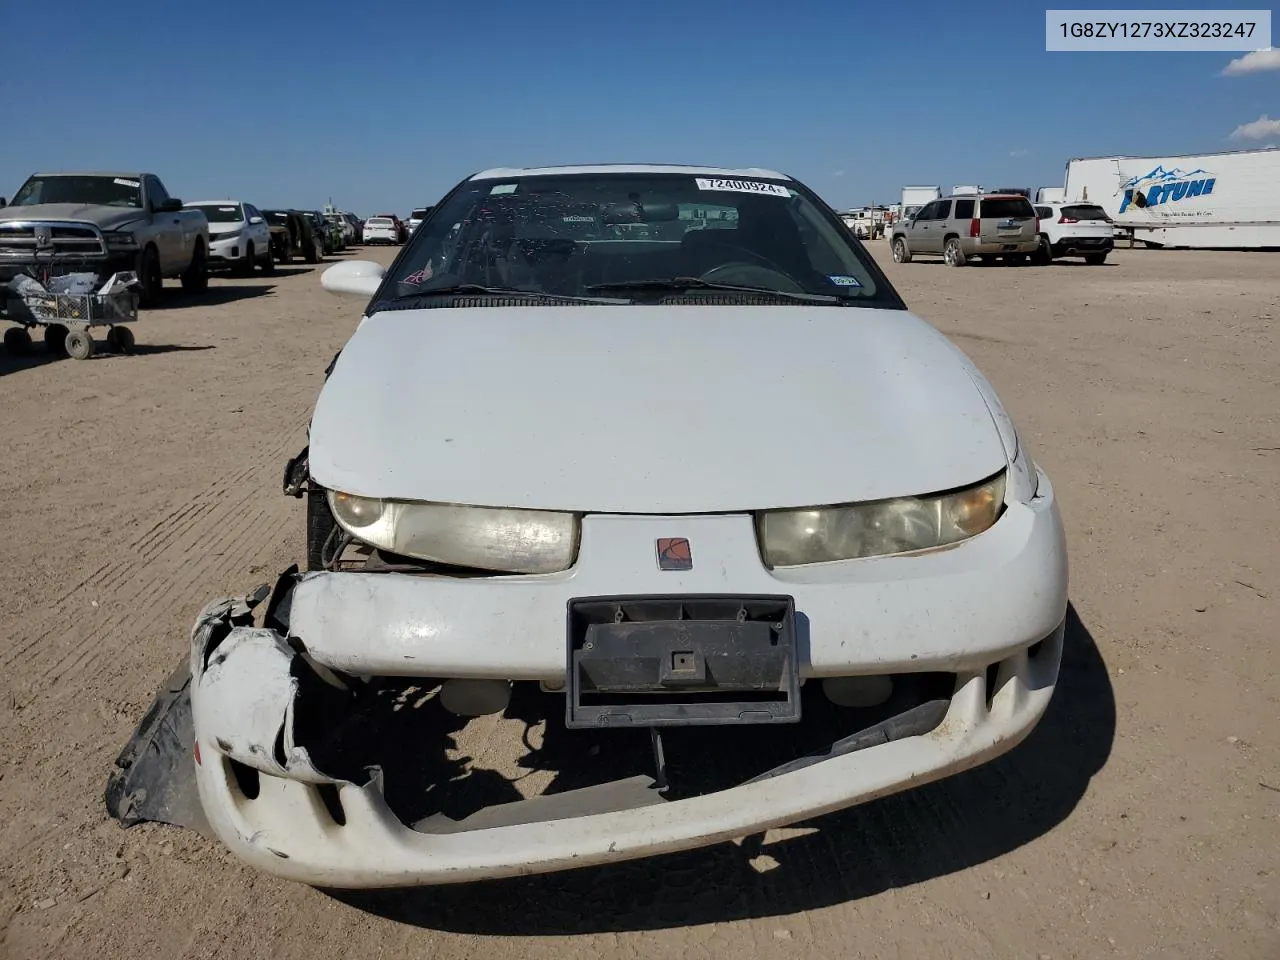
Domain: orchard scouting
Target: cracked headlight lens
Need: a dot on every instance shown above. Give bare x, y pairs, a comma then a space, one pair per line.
481, 538
850, 531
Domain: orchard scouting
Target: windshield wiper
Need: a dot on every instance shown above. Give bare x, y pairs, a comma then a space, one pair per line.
697, 283
482, 290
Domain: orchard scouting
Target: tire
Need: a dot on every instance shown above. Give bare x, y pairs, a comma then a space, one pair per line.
249, 262
120, 339
150, 280
312, 254
55, 339
320, 525
17, 341
269, 263
1044, 252
901, 254
952, 252
1095, 259
80, 345
320, 252
195, 279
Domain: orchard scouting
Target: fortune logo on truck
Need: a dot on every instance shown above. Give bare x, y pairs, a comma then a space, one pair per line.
1162, 186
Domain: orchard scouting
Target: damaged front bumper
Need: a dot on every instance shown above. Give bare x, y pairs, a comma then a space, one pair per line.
307, 769
258, 703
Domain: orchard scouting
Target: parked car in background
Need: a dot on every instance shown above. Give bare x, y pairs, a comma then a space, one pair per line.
292, 236
346, 233
357, 226
239, 236
1074, 230
104, 223
330, 235
381, 230
417, 216
959, 228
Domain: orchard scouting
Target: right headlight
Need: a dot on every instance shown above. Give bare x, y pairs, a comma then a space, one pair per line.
850, 531
481, 538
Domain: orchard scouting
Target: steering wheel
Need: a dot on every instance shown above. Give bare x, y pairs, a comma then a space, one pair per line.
753, 275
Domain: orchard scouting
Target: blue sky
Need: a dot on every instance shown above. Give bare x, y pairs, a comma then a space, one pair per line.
385, 104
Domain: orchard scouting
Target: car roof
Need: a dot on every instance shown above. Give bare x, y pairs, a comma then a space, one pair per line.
501, 173
131, 174
210, 203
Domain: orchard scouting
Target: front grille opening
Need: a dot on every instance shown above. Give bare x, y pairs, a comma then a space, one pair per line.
246, 778
436, 763
993, 674
332, 801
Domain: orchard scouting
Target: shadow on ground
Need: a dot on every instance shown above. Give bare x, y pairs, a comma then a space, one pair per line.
217, 294
39, 356
901, 840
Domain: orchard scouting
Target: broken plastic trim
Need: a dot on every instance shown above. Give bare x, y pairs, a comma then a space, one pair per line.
265, 702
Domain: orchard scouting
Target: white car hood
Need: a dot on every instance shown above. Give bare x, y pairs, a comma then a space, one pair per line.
646, 409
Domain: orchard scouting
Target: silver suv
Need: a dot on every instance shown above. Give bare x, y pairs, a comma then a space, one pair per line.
986, 226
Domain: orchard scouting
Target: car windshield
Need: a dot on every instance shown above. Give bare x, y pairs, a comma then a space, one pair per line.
634, 236
1085, 211
220, 212
420, 213
97, 190
1007, 207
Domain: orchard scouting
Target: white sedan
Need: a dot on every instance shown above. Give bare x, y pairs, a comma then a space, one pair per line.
709, 511
380, 230
239, 236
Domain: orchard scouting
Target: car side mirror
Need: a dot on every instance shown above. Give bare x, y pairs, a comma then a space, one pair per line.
3, 202
360, 278
172, 205
255, 219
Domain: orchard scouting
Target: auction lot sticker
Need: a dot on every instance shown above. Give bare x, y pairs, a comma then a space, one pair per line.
741, 186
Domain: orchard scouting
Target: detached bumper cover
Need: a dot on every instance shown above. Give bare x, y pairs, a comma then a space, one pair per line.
990, 611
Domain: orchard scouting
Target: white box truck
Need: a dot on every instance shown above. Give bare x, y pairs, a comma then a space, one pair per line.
1223, 201
913, 198
1051, 195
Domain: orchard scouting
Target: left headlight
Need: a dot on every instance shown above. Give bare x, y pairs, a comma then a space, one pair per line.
120, 240
481, 538
851, 531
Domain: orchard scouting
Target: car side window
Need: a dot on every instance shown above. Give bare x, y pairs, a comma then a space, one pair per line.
943, 211
156, 192
927, 211
1044, 213
964, 209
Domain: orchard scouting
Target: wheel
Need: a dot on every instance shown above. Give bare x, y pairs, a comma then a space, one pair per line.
320, 251
150, 280
1095, 259
312, 254
120, 339
268, 264
55, 339
195, 279
320, 526
900, 252
952, 254
79, 345
1044, 252
17, 341
249, 261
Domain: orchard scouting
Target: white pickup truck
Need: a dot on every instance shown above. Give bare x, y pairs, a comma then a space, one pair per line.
104, 222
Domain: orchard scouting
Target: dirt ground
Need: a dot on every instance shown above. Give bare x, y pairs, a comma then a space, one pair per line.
1141, 819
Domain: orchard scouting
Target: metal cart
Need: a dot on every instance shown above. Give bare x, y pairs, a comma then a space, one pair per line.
68, 318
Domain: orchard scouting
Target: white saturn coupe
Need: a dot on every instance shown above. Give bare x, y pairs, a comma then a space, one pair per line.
652, 466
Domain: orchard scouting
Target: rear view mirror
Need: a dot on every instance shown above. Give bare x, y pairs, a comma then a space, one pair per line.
255, 219
172, 205
639, 212
358, 277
